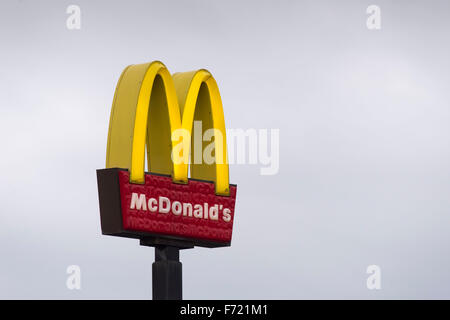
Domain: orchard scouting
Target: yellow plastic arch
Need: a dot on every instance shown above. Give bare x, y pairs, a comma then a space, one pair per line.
146, 111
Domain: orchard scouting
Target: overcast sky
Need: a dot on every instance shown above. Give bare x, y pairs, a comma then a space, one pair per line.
363, 116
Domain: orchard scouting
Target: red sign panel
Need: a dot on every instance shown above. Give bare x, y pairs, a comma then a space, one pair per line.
161, 208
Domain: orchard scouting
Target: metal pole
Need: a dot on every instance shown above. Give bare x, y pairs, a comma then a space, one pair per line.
166, 273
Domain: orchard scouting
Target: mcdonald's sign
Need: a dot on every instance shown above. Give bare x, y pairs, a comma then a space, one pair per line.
150, 106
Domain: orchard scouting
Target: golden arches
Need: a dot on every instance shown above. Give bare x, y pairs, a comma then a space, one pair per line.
146, 111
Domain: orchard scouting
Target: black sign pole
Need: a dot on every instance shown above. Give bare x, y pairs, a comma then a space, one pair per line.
167, 274
167, 269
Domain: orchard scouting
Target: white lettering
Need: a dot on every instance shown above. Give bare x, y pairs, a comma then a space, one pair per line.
177, 208
152, 205
226, 215
162, 201
138, 202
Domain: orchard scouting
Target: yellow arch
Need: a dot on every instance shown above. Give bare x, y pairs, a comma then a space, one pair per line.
146, 111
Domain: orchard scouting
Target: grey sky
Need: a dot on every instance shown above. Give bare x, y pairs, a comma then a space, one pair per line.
364, 145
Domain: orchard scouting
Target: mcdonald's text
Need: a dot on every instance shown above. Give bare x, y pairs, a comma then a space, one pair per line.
186, 209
